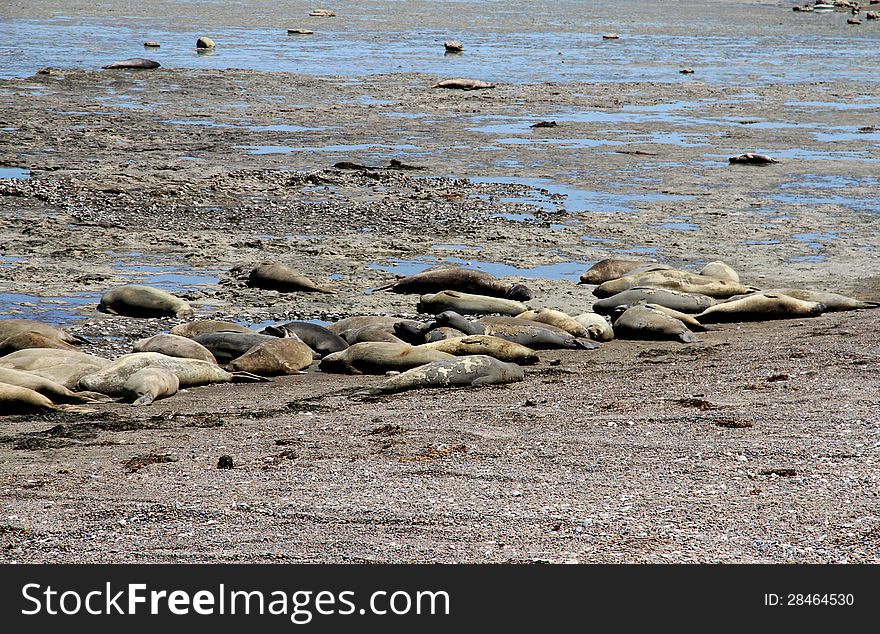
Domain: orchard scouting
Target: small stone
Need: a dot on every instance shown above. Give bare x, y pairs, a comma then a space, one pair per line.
225, 462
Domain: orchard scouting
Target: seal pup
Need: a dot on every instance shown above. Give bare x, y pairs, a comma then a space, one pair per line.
226, 346
720, 271
321, 340
277, 356
192, 329
556, 318
379, 358
22, 400
463, 84
677, 300
644, 322
280, 277
174, 346
612, 268
135, 300
459, 279
598, 328
31, 339
759, 307
468, 304
676, 280
750, 158
469, 371
9, 327
135, 63
501, 349
150, 384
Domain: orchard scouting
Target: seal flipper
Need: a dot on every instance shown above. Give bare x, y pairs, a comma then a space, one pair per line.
248, 377
146, 399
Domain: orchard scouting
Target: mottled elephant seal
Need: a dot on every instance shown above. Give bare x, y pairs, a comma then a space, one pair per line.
135, 300
366, 334
501, 349
192, 329
612, 268
21, 400
760, 307
321, 340
721, 271
379, 358
468, 304
274, 357
832, 301
10, 327
644, 322
279, 277
174, 346
556, 318
469, 371
134, 63
30, 339
527, 333
598, 328
226, 346
150, 384
461, 280
684, 302
463, 84
672, 279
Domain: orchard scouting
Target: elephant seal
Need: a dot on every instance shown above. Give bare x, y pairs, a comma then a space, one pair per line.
56, 392
300, 32
688, 320
21, 400
192, 329
352, 323
31, 339
378, 358
273, 357
833, 301
135, 300
468, 304
750, 158
31, 359
321, 340
531, 334
675, 280
760, 307
226, 346
720, 271
453, 46
9, 327
365, 334
462, 280
205, 42
150, 384
135, 63
643, 322
684, 302
322, 13
556, 318
175, 346
463, 84
275, 276
598, 328
442, 332
611, 269
469, 371
501, 349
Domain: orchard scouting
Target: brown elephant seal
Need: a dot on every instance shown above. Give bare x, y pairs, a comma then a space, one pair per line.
150, 384
750, 158
366, 334
468, 371
9, 327
379, 358
611, 269
463, 84
468, 304
644, 322
675, 280
226, 346
501, 349
453, 46
30, 339
720, 271
442, 332
556, 318
152, 44
135, 300
760, 307
461, 280
833, 301
205, 42
353, 323
174, 346
134, 63
274, 357
321, 340
56, 392
22, 400
528, 333
275, 276
684, 302
598, 328
192, 329
322, 13
38, 358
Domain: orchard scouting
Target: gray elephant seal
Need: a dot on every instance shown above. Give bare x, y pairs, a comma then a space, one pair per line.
134, 63
684, 302
134, 300
150, 384
720, 270
366, 334
556, 318
750, 158
760, 307
643, 322
468, 304
321, 340
379, 358
688, 320
611, 269
461, 280
193, 329
226, 346
30, 339
468, 371
531, 334
463, 84
271, 358
501, 349
280, 277
675, 280
598, 328
9, 327
21, 400
453, 46
174, 346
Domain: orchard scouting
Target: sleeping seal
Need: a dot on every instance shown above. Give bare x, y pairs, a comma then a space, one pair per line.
30, 339
226, 346
321, 340
461, 280
501, 349
150, 384
468, 304
556, 318
470, 371
135, 300
135, 63
673, 280
192, 329
21, 400
463, 84
379, 358
684, 302
274, 357
760, 307
280, 277
9, 327
174, 346
611, 269
644, 322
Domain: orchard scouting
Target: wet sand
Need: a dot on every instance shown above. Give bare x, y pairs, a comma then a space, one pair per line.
757, 444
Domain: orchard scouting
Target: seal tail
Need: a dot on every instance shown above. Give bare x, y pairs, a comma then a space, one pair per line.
248, 377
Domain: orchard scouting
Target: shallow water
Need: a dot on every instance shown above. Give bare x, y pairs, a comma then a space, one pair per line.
54, 310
